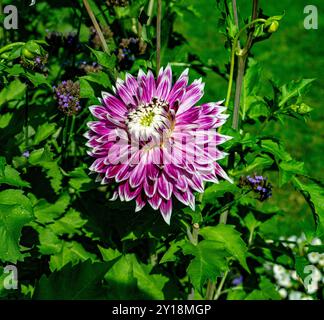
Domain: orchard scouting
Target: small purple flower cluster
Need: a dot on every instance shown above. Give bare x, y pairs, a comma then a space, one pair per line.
37, 64
67, 94
237, 281
128, 50
258, 184
87, 67
117, 3
94, 40
57, 40
40, 63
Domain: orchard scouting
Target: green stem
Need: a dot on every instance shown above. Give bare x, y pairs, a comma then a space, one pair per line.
150, 12
96, 26
11, 46
220, 287
158, 36
64, 134
211, 286
26, 119
233, 51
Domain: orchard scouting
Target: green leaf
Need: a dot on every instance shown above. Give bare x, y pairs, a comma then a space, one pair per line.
276, 149
82, 281
14, 91
71, 252
99, 78
267, 291
37, 79
209, 262
15, 212
293, 89
263, 162
86, 90
44, 158
300, 263
104, 59
287, 169
313, 193
49, 242
218, 190
43, 132
80, 180
231, 240
10, 176
169, 255
149, 284
46, 212
69, 224
121, 281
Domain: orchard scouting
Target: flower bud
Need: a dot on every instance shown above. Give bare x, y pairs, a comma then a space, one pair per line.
31, 49
273, 26
302, 109
33, 56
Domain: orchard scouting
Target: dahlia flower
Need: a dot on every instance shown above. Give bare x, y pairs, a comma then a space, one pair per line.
154, 143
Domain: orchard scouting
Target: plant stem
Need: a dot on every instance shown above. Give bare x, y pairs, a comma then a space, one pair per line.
220, 287
211, 286
96, 26
242, 56
195, 232
150, 11
158, 36
238, 89
233, 51
26, 119
11, 46
64, 134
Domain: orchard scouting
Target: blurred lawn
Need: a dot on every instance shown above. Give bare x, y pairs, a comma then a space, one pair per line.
291, 53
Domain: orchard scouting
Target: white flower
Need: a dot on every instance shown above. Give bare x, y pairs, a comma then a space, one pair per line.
284, 280
312, 287
295, 295
313, 257
321, 260
294, 275
301, 239
283, 293
316, 242
278, 270
317, 275
293, 240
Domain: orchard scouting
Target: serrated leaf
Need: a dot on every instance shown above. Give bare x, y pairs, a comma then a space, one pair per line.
10, 176
209, 262
104, 59
218, 190
69, 224
46, 212
231, 240
82, 281
313, 193
14, 91
71, 252
169, 255
293, 90
43, 132
15, 212
80, 180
